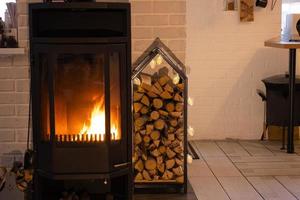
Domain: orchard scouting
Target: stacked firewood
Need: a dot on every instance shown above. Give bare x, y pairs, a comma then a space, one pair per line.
158, 106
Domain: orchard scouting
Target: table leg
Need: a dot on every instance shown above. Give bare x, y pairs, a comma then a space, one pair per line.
292, 72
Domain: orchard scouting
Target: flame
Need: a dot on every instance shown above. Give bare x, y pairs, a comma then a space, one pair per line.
95, 130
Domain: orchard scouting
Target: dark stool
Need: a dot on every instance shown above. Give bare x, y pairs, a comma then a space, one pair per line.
277, 103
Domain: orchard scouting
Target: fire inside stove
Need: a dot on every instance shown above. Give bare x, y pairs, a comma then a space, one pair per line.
95, 129
79, 99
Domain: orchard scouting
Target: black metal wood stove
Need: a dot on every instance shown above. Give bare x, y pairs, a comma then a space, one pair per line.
80, 68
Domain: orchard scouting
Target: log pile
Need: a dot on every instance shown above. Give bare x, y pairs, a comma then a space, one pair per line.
158, 107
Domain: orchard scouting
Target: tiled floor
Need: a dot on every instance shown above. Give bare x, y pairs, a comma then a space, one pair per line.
241, 170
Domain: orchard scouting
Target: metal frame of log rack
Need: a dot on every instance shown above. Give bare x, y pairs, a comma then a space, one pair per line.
159, 48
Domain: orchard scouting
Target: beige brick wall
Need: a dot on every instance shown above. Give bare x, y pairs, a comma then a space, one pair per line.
159, 18
150, 19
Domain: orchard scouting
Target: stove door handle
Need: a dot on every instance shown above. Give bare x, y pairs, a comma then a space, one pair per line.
121, 165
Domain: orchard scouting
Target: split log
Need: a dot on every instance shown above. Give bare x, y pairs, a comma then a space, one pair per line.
175, 144
155, 153
163, 113
139, 177
151, 147
168, 175
169, 88
136, 115
180, 86
146, 86
179, 162
140, 121
163, 80
146, 175
178, 97
178, 149
155, 90
144, 110
179, 130
135, 156
156, 143
159, 160
158, 87
166, 142
176, 114
178, 171
154, 115
159, 124
170, 107
139, 166
137, 96
166, 95
143, 132
161, 167
171, 137
180, 179
155, 135
150, 163
146, 78
179, 107
137, 139
152, 94
162, 149
138, 150
144, 156
149, 129
146, 139
140, 89
171, 129
170, 153
137, 107
173, 122
157, 103
180, 136
145, 100
137, 128
152, 172
170, 163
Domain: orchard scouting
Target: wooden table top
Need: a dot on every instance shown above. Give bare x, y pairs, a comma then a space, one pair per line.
278, 43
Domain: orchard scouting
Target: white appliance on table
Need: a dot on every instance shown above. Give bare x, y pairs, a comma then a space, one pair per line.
290, 32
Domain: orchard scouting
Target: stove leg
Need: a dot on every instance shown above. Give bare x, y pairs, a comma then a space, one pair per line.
264, 134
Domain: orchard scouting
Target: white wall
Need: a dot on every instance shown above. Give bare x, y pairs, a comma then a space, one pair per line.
228, 60
3, 7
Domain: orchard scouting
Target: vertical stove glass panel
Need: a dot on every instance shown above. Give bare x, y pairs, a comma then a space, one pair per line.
115, 96
45, 117
79, 98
